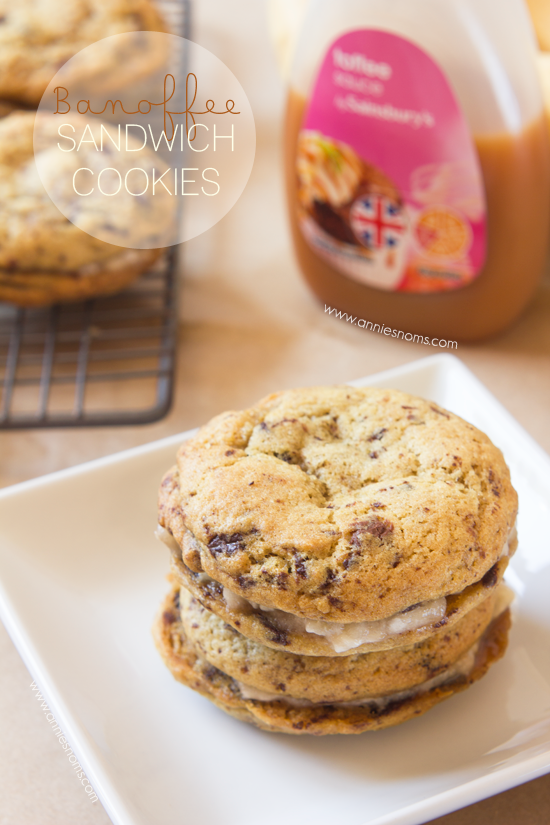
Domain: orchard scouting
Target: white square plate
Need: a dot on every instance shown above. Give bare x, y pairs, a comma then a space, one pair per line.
80, 580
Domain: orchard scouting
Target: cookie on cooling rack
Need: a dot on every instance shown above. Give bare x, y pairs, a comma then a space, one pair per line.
36, 39
44, 257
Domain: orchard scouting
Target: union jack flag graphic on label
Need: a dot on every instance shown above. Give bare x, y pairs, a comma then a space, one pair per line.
377, 222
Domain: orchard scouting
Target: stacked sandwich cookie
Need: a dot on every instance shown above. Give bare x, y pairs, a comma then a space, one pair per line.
337, 559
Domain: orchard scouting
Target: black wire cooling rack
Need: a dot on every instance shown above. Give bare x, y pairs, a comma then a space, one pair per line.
100, 362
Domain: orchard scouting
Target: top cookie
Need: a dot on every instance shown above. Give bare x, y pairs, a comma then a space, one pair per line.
343, 504
36, 39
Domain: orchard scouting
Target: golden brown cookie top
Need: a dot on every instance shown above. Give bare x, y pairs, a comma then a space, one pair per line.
345, 504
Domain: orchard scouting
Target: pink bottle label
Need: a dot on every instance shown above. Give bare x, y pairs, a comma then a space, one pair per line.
390, 190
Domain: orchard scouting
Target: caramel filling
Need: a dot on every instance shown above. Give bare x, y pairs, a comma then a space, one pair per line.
343, 637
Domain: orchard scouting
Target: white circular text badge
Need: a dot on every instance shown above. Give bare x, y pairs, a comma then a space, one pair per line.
144, 140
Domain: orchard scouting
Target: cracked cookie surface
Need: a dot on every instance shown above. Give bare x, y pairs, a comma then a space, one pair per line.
340, 504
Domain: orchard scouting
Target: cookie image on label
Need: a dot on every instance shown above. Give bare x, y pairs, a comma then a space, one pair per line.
390, 190
350, 211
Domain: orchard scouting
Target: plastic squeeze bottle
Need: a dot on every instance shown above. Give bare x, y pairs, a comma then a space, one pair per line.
418, 162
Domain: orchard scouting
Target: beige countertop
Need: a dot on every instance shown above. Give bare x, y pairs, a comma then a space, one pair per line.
249, 326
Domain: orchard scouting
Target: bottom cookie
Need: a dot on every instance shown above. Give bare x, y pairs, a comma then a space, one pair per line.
44, 288
188, 667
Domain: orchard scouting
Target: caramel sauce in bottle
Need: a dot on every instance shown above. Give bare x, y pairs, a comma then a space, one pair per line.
516, 173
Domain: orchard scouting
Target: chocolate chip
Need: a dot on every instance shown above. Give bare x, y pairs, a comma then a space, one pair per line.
281, 580
284, 421
411, 607
284, 456
380, 528
280, 637
299, 565
245, 581
168, 617
377, 434
334, 602
494, 482
230, 452
440, 412
210, 673
333, 427
177, 600
226, 544
176, 512
491, 577
328, 582
213, 589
